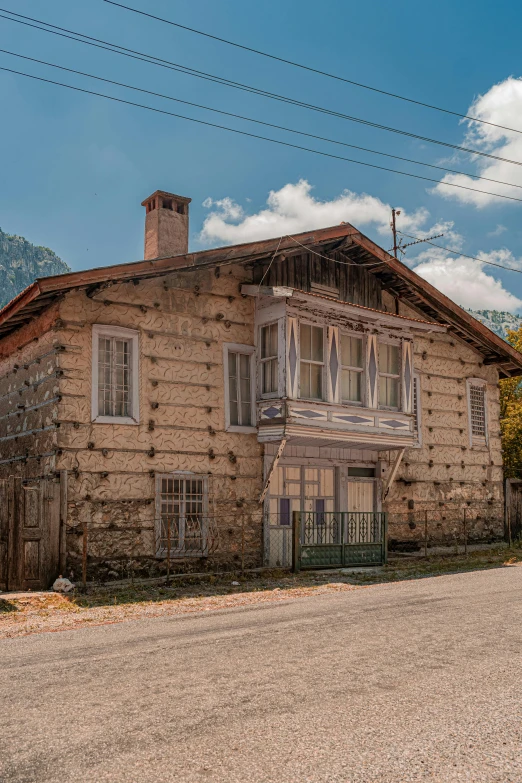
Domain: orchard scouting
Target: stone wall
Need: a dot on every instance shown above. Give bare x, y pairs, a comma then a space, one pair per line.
458, 486
183, 321
30, 369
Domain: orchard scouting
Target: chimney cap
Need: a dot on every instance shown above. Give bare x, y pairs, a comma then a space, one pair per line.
166, 194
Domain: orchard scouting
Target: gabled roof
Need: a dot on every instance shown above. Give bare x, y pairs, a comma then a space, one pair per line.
395, 276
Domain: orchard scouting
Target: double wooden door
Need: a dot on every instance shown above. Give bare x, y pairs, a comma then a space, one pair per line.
29, 533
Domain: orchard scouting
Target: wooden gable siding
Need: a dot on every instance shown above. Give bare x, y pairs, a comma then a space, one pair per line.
356, 284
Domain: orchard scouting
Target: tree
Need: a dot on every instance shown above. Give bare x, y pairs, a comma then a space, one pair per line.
511, 416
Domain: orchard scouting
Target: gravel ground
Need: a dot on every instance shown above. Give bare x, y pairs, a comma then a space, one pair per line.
27, 613
397, 683
44, 612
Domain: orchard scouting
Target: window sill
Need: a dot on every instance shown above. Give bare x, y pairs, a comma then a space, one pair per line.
241, 429
115, 420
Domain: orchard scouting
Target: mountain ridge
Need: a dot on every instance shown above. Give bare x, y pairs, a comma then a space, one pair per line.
21, 263
499, 321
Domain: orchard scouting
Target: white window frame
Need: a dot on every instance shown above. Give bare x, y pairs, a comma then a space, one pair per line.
269, 395
398, 345
323, 326
245, 349
477, 440
161, 552
102, 330
363, 370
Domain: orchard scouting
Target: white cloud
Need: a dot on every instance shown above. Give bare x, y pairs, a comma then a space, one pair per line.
500, 229
502, 105
293, 209
466, 281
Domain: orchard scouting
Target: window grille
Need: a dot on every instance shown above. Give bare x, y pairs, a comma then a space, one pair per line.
114, 376
312, 362
477, 406
351, 368
239, 389
181, 507
269, 359
389, 376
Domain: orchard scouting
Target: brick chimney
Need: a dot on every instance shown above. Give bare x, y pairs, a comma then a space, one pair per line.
166, 224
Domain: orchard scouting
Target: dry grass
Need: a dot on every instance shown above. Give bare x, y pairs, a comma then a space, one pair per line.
48, 612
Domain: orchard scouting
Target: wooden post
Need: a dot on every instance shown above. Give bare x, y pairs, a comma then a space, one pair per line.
84, 555
63, 522
465, 533
242, 545
296, 541
507, 509
426, 533
393, 473
168, 550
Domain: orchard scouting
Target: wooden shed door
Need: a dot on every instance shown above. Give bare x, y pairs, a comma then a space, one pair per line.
30, 531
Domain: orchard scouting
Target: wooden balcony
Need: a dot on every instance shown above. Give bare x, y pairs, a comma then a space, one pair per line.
325, 424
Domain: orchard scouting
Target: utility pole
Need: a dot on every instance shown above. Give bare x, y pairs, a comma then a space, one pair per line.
399, 245
393, 225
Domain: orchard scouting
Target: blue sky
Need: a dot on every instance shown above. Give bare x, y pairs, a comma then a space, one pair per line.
76, 167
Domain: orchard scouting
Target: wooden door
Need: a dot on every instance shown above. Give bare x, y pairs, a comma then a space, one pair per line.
361, 500
33, 533
361, 496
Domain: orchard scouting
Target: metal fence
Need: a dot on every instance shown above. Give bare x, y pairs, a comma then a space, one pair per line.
341, 539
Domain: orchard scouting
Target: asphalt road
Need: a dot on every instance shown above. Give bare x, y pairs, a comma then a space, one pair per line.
418, 681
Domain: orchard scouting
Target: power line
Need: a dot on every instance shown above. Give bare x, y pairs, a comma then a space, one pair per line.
255, 136
458, 253
153, 60
251, 119
309, 68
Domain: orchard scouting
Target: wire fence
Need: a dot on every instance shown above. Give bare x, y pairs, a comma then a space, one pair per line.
175, 546
451, 523
164, 547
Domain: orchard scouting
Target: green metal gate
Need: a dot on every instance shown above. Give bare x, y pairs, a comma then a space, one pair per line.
336, 540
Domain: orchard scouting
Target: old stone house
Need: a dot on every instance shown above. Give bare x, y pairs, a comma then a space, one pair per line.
180, 408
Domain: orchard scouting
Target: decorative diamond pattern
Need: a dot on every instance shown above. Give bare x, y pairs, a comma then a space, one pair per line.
355, 419
311, 414
271, 413
394, 424
334, 364
372, 370
407, 378
292, 357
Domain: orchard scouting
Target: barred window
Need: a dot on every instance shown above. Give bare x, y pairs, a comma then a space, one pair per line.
114, 374
477, 409
181, 506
